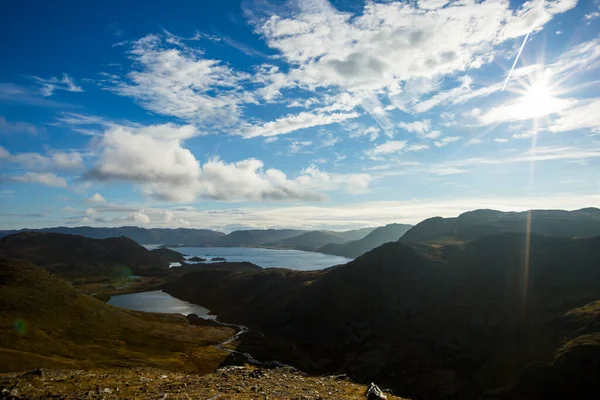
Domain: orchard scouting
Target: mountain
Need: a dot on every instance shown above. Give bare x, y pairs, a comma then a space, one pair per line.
78, 257
354, 234
141, 235
492, 317
309, 241
479, 223
257, 237
47, 323
379, 236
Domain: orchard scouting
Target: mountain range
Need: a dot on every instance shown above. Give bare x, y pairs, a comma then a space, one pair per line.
488, 304
456, 321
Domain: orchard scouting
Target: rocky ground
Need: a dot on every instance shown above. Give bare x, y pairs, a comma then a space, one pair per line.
232, 382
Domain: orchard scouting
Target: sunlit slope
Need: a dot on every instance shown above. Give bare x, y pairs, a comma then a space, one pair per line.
45, 322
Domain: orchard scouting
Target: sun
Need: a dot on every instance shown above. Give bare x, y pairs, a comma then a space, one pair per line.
538, 98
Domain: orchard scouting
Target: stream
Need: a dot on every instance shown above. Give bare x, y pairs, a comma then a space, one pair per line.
161, 302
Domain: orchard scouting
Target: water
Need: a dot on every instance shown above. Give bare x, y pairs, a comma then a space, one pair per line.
159, 302
268, 258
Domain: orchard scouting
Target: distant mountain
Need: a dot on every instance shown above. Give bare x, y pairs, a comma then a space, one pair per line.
257, 237
141, 235
47, 323
78, 257
479, 223
379, 236
354, 234
183, 237
309, 241
450, 321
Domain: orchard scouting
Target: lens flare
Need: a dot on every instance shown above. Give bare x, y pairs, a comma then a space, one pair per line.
20, 326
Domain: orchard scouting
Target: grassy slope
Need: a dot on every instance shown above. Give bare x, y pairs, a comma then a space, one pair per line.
45, 322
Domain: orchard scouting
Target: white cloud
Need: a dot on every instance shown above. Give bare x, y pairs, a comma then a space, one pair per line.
42, 178
416, 126
48, 86
533, 15
591, 16
139, 218
393, 42
96, 198
417, 147
18, 127
524, 109
297, 146
173, 79
500, 140
446, 141
585, 115
364, 214
54, 161
293, 122
328, 139
389, 147
166, 170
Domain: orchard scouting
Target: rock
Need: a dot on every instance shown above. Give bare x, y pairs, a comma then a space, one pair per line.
107, 390
33, 372
218, 259
197, 259
374, 393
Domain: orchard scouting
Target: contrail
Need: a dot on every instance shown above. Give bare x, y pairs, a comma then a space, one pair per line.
515, 63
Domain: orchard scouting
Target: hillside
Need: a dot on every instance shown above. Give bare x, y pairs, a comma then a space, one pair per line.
47, 323
140, 235
78, 257
431, 322
479, 223
379, 236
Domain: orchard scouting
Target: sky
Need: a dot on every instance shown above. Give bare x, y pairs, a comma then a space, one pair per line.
302, 114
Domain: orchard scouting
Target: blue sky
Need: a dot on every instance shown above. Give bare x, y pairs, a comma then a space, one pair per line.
309, 114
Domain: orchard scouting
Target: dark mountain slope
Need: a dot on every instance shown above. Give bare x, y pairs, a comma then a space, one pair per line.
72, 256
47, 323
379, 236
475, 224
458, 321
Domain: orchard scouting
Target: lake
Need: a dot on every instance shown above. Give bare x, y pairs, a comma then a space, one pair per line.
268, 258
159, 302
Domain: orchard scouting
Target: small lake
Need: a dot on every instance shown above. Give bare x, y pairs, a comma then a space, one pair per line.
159, 302
268, 258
